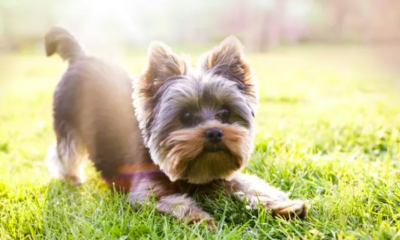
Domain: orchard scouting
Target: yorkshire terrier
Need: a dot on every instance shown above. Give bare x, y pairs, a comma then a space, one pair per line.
189, 130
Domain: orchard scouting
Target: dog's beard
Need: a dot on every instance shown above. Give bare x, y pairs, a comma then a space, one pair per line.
186, 154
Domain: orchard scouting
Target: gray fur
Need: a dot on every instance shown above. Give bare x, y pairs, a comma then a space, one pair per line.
204, 95
93, 114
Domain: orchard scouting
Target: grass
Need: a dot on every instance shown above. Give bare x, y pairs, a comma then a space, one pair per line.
328, 132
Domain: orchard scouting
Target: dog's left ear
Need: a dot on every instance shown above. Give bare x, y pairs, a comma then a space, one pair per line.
228, 60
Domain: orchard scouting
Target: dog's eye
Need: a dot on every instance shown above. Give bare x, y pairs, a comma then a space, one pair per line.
225, 115
187, 117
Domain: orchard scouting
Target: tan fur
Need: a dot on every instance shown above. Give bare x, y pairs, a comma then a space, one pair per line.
93, 113
229, 57
183, 150
256, 191
183, 208
186, 158
175, 197
162, 64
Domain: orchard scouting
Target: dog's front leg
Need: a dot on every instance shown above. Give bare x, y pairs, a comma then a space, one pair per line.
184, 209
256, 191
170, 199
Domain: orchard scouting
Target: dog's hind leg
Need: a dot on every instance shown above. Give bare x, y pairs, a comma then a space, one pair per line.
66, 158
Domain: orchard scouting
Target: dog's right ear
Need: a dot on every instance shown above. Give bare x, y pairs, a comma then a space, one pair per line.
162, 64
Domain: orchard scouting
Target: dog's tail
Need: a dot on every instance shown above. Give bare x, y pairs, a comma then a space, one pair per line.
59, 40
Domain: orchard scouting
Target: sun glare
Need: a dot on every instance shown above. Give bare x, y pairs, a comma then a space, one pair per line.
103, 26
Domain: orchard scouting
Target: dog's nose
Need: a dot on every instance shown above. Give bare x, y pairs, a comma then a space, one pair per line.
214, 135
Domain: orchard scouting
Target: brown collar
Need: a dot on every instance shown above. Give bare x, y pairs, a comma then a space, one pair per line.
128, 173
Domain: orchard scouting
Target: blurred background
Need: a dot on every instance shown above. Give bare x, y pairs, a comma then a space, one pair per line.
310, 55
110, 27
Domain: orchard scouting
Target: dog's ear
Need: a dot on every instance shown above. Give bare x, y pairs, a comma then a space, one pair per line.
162, 64
228, 59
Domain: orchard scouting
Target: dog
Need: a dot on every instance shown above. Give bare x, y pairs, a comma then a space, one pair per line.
171, 132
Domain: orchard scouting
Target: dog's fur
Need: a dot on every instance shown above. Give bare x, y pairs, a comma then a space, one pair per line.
164, 130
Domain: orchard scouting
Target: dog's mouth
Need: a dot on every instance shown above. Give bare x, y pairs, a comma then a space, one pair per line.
216, 148
187, 154
215, 162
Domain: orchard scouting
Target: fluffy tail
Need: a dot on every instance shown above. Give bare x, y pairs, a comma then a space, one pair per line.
59, 40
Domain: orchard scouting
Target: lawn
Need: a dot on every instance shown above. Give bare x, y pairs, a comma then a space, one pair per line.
328, 132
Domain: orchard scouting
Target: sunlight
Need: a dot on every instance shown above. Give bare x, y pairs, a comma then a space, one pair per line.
104, 26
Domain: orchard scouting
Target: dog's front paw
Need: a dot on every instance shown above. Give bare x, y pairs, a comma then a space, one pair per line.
73, 180
290, 208
197, 216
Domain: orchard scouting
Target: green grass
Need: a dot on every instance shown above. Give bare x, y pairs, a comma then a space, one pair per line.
328, 132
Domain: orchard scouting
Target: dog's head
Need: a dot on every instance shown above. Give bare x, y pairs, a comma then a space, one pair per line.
197, 122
